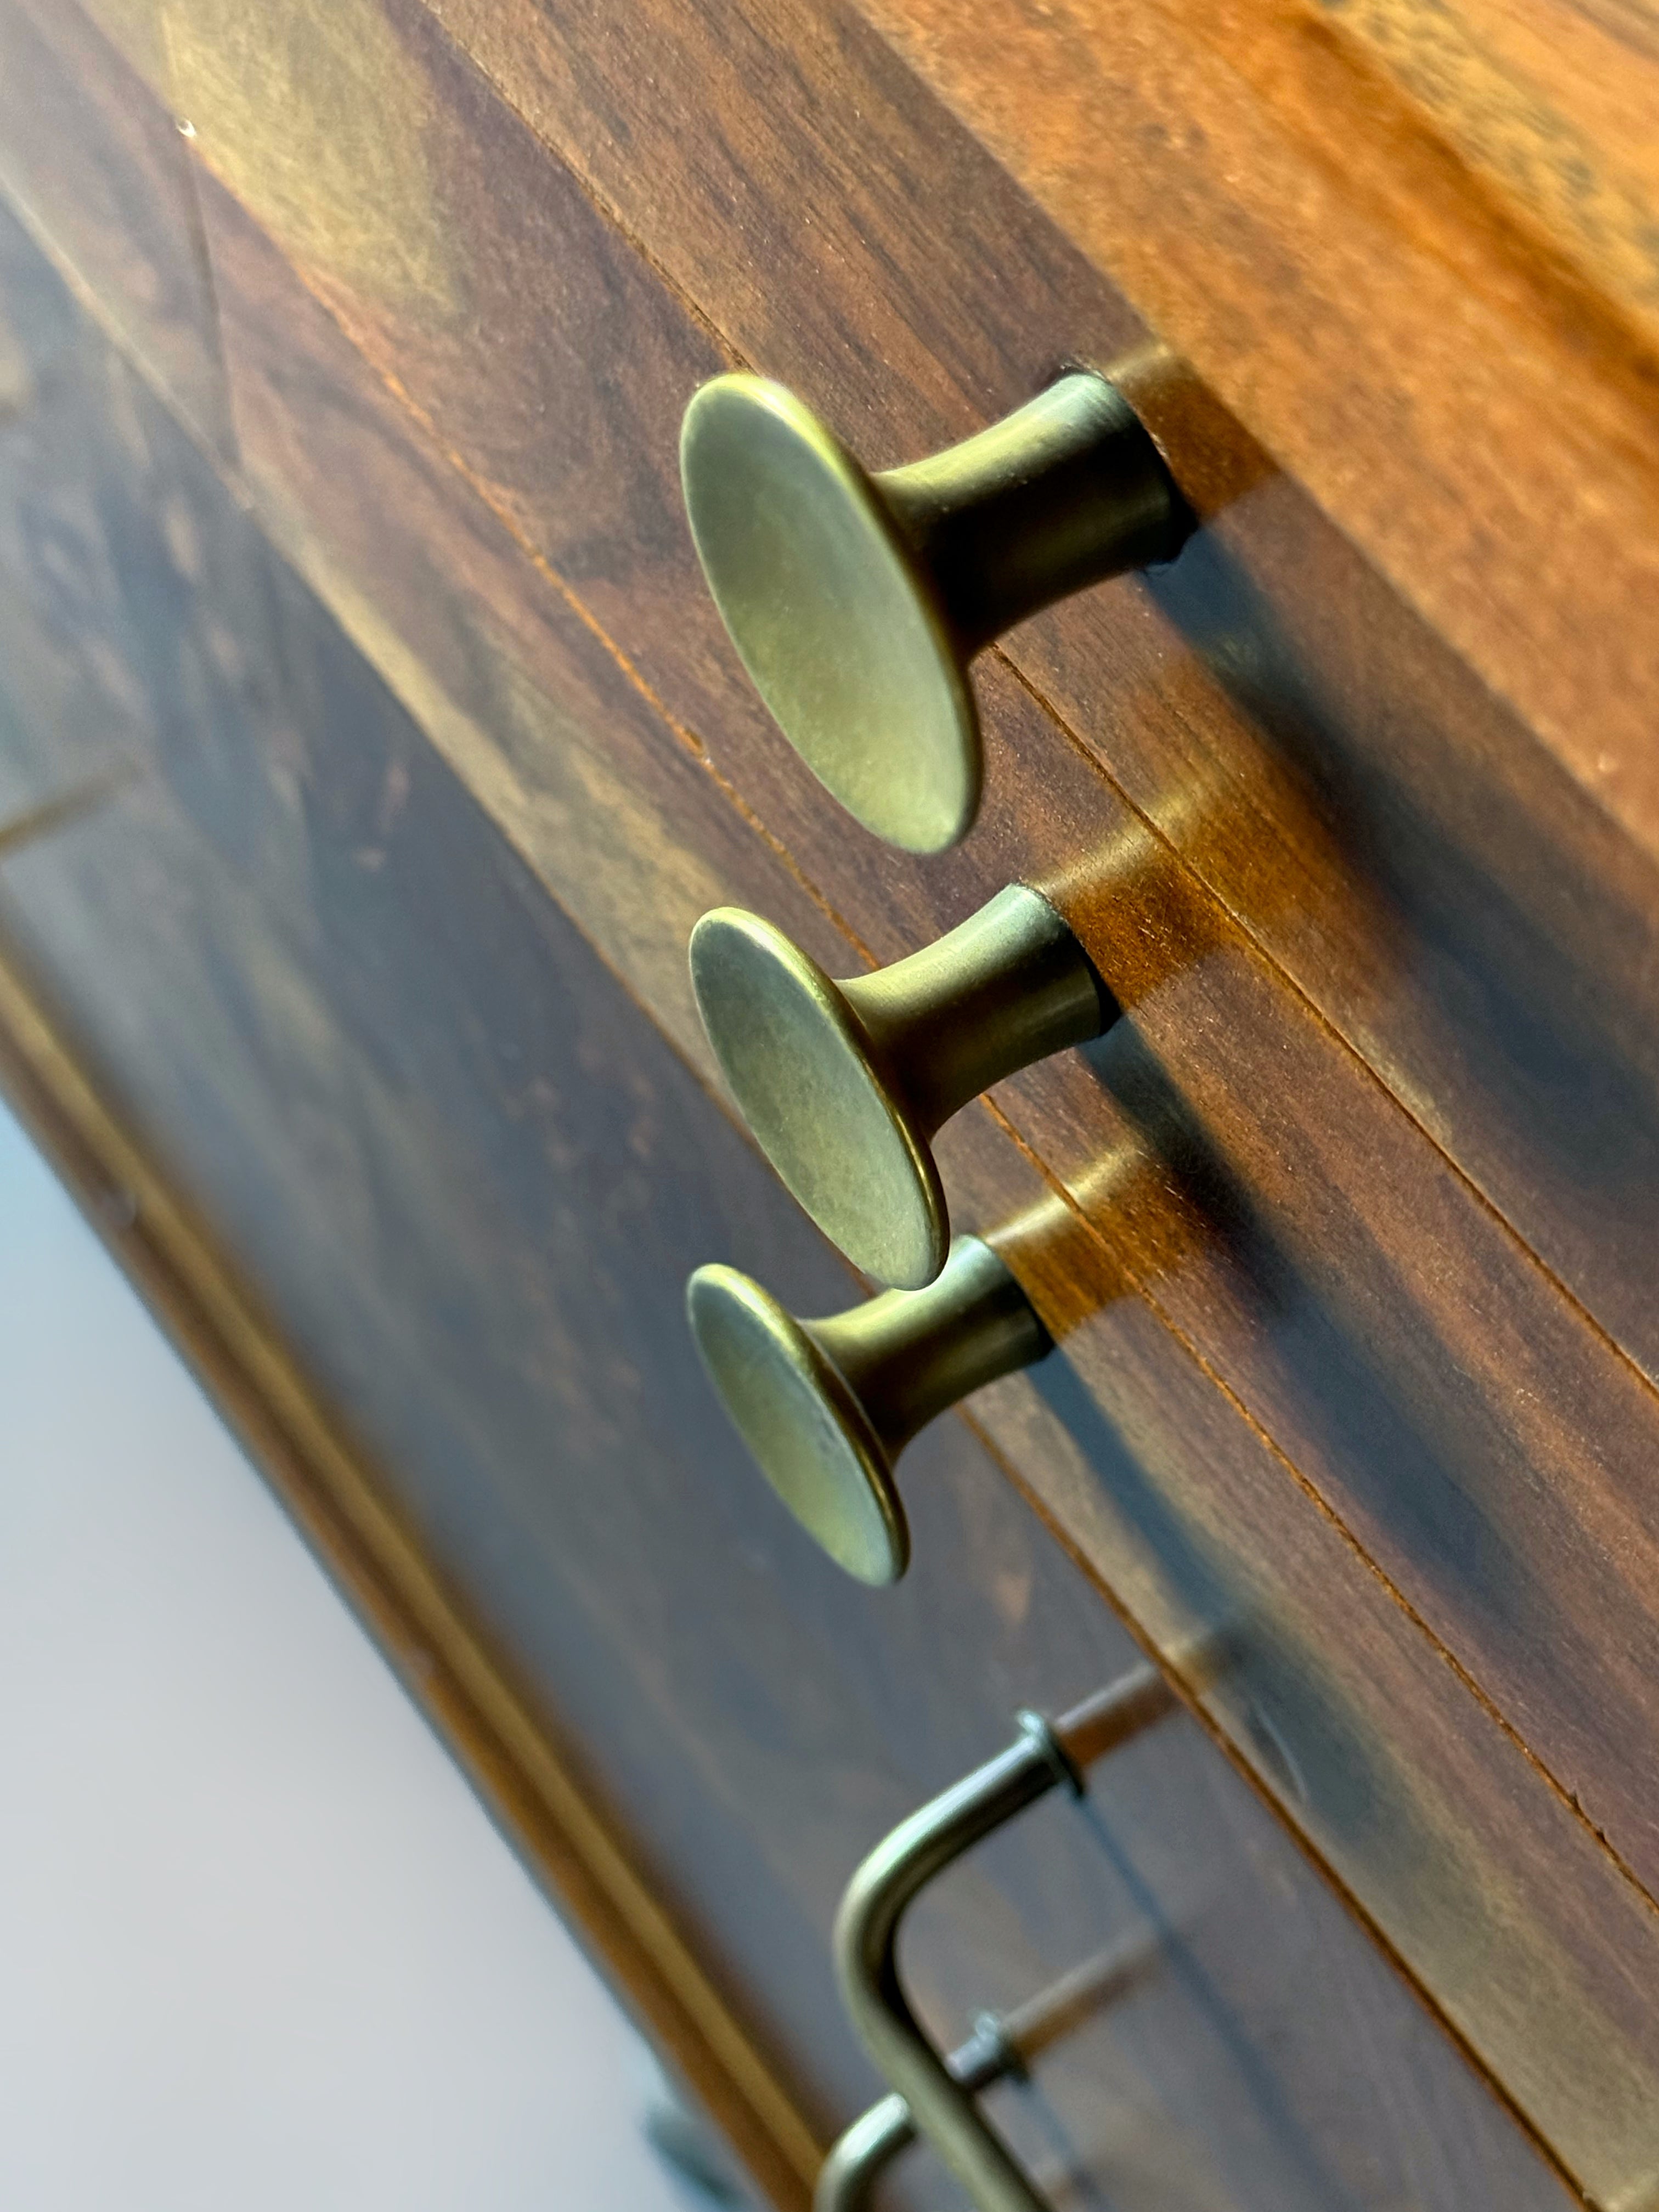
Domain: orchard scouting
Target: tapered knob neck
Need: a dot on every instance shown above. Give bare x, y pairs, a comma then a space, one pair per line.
1006, 987
908, 1355
1065, 492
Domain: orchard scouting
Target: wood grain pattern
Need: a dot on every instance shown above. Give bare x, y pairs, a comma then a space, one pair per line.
469, 1175
1420, 868
1469, 919
426, 275
1362, 1734
1322, 214
1390, 1383
101, 171
624, 811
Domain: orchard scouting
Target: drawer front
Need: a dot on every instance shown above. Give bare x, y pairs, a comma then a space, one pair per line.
466, 1176
1372, 1301
1368, 1396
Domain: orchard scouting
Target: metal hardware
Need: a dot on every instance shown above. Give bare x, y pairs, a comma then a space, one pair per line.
844, 1085
856, 602
826, 1406
1000, 2048
941, 2107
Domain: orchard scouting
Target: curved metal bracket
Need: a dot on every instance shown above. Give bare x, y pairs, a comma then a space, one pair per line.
936, 2101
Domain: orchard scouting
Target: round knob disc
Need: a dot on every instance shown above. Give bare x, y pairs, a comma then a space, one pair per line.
835, 621
806, 1430
818, 1105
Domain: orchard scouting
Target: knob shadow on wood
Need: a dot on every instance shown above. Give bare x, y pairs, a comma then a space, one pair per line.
856, 602
844, 1085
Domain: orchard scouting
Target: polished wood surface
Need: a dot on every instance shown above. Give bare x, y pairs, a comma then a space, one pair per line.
1366, 1185
343, 1025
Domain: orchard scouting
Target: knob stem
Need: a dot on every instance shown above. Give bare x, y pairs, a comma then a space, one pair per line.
908, 1355
1004, 988
1061, 494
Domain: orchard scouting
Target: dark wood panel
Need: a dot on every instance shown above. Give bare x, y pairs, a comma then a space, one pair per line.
406, 617
1356, 1296
99, 167
321, 1475
468, 1175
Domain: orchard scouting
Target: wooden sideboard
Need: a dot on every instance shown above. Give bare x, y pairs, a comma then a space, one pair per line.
369, 745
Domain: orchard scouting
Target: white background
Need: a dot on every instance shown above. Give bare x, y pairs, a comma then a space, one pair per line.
260, 1950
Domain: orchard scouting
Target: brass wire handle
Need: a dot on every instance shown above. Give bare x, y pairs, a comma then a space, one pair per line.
1046, 1755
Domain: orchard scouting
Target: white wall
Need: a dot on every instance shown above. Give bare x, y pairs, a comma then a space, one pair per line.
260, 1951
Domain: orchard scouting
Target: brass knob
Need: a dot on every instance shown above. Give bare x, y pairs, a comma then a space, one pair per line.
826, 1406
856, 602
844, 1085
